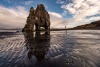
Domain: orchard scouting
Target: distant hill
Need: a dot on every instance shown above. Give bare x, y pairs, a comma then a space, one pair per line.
93, 25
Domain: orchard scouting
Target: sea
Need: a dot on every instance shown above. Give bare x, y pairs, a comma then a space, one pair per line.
66, 48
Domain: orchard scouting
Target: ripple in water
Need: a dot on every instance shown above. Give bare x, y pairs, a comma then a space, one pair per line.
72, 48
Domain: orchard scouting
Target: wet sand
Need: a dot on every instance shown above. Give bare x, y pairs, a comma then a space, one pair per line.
72, 48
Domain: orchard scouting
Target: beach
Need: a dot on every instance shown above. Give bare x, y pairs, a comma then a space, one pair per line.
69, 48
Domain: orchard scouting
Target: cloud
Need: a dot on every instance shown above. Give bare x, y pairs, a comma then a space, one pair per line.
57, 20
64, 13
11, 18
81, 9
83, 12
55, 14
28, 2
60, 1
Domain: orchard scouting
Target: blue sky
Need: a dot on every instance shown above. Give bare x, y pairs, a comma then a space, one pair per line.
69, 13
51, 5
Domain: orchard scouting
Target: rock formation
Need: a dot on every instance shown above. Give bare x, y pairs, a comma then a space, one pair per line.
37, 44
38, 17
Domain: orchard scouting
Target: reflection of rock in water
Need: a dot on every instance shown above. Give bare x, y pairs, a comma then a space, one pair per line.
76, 49
37, 45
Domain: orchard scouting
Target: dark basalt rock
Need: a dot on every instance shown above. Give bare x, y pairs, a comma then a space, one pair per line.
38, 17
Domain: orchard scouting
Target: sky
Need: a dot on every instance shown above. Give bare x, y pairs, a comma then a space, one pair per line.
69, 13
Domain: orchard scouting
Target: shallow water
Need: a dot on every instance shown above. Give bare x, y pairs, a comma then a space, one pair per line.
73, 48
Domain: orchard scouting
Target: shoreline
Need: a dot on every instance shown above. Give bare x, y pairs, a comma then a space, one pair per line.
19, 30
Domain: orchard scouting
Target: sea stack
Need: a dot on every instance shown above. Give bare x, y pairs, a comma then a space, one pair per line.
38, 17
